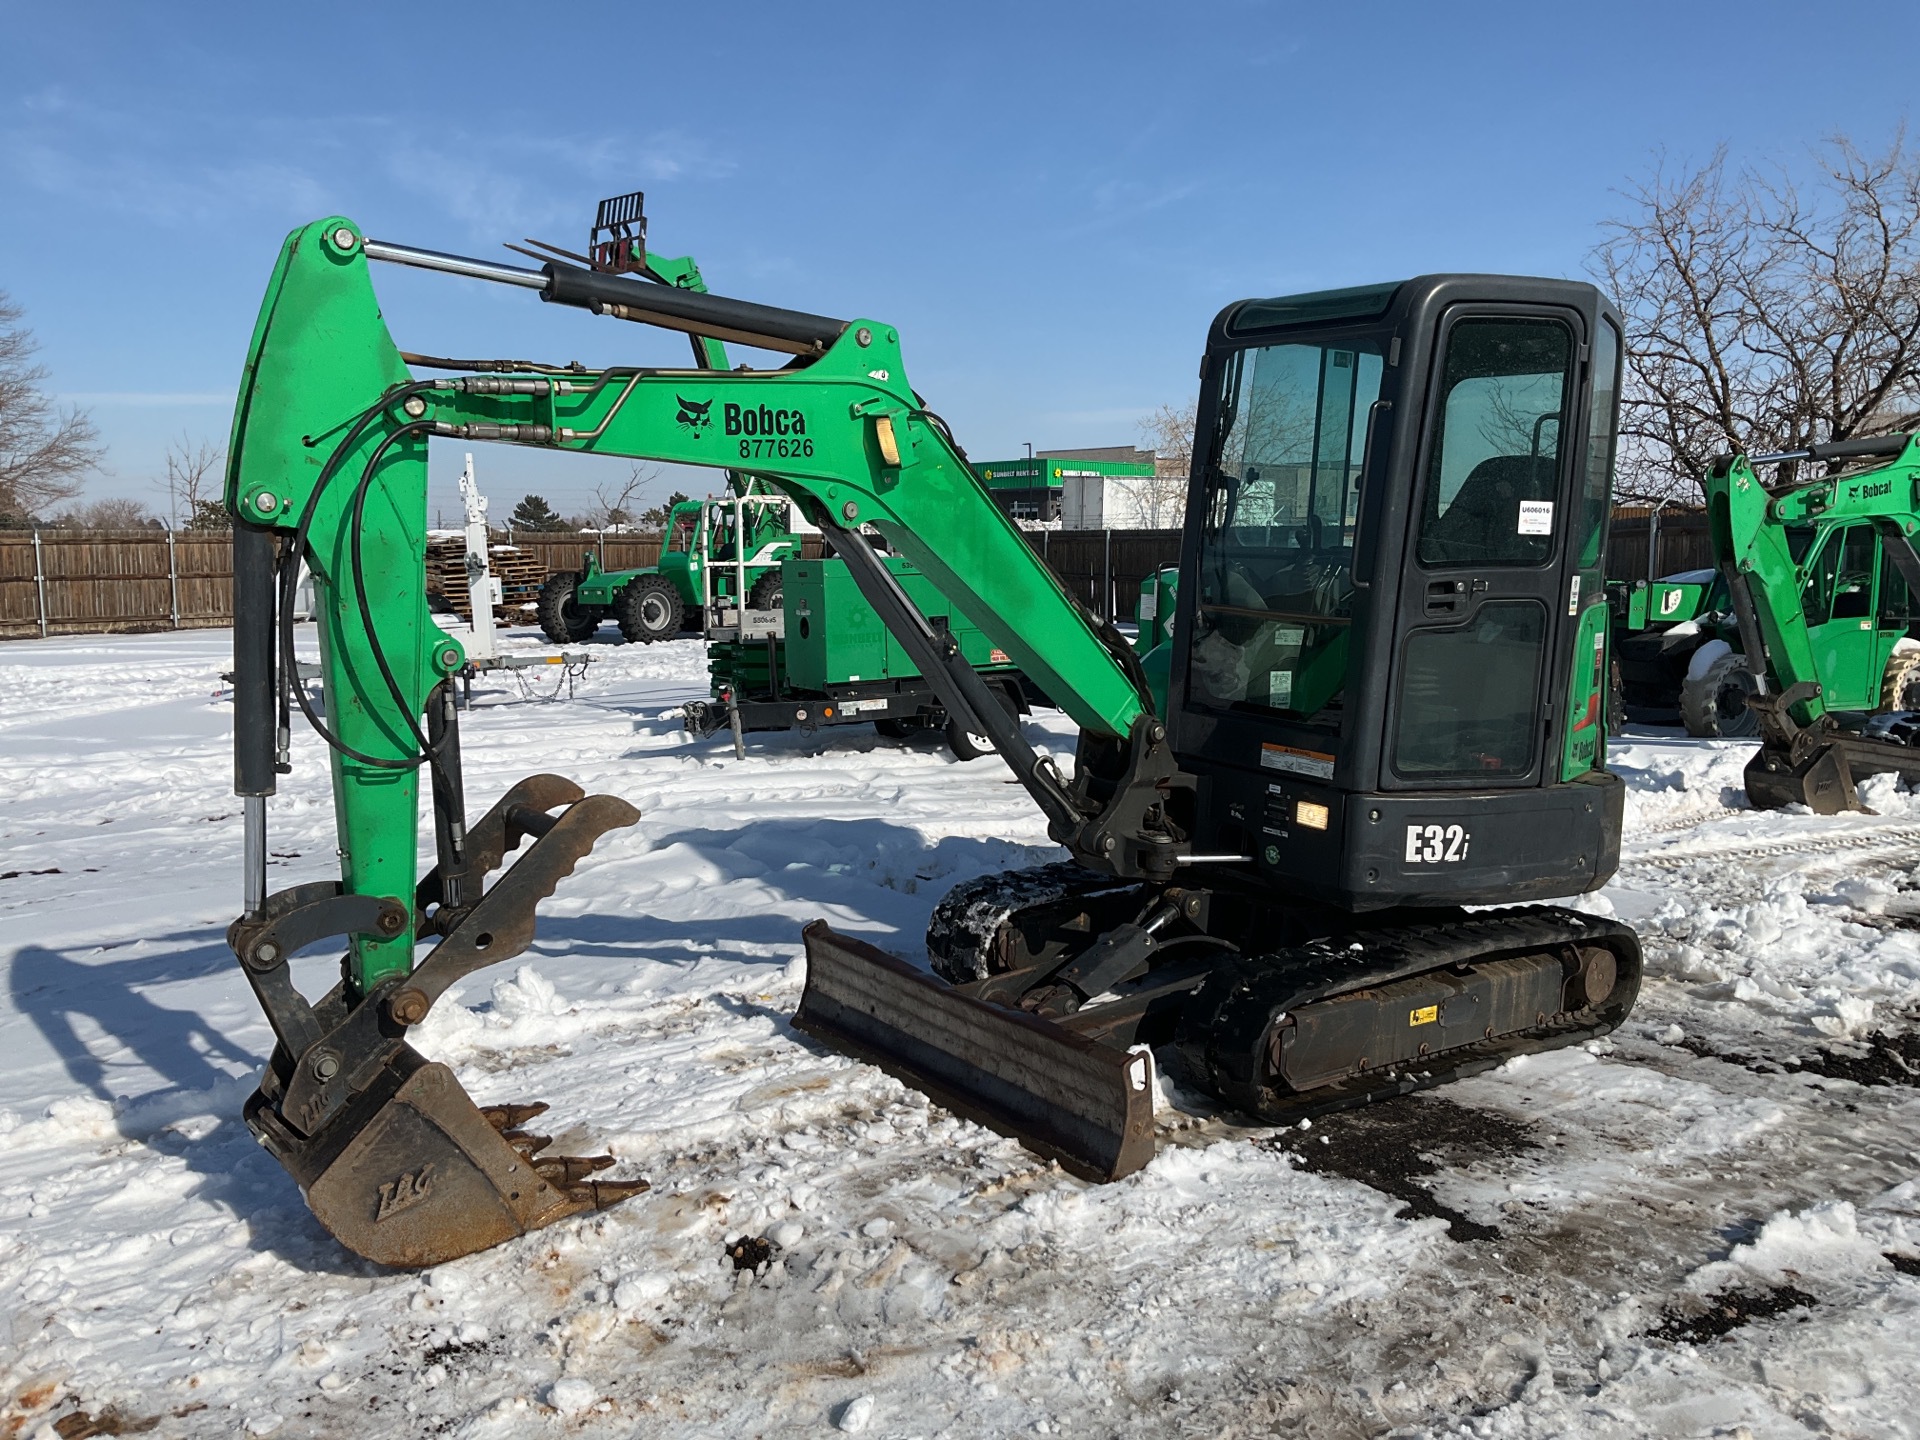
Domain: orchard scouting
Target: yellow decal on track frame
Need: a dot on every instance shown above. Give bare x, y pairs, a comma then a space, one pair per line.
1425, 1015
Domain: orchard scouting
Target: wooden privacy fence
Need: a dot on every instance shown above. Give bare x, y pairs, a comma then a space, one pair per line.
65, 582
1104, 568
563, 551
1679, 536
73, 582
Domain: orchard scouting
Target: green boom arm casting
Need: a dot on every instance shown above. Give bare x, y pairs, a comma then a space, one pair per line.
1808, 755
328, 461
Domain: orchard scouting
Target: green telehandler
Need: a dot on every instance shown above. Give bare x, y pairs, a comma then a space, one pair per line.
1384, 704
697, 566
659, 601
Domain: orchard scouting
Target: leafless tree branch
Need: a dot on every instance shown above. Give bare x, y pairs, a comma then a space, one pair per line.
45, 452
1762, 318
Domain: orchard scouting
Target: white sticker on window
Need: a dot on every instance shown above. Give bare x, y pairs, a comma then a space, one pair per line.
1536, 517
1573, 597
1280, 688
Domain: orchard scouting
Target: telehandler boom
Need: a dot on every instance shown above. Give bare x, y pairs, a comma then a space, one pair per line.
1386, 702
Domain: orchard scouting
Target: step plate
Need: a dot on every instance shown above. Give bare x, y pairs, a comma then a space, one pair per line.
1071, 1099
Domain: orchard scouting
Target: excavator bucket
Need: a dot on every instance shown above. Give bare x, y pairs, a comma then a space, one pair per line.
396, 1160
413, 1173
1062, 1095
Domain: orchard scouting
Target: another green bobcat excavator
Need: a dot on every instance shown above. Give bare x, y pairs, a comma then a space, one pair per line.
1820, 573
1385, 704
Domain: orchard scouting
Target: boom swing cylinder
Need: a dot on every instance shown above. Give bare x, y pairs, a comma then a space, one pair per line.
1226, 842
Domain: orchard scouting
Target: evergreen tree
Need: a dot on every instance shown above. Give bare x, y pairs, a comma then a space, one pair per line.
657, 516
533, 513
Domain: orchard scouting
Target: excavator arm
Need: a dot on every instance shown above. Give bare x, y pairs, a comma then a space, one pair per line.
328, 465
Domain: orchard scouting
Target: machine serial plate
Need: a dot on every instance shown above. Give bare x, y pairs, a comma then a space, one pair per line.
1300, 762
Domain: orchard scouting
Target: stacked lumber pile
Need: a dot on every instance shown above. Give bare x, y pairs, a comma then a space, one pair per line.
520, 575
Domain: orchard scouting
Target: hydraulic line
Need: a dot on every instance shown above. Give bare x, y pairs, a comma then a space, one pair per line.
290, 569
400, 700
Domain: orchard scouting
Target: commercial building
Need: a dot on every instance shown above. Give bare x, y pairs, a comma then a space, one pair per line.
1089, 489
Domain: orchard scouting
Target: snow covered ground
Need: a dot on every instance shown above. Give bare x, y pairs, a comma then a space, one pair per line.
1545, 1250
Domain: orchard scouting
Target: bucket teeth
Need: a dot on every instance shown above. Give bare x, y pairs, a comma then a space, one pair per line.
570, 1174
564, 1172
604, 1194
511, 1117
414, 1173
528, 1145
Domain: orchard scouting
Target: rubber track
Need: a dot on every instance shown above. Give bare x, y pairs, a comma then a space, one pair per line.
1224, 1035
962, 929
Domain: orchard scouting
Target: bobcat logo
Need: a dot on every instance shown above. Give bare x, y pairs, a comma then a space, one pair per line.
693, 416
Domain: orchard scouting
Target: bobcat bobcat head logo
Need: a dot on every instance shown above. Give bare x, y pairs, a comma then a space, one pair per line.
693, 416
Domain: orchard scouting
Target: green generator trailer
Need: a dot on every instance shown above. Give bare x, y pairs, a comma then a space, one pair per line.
1658, 626
1153, 640
821, 656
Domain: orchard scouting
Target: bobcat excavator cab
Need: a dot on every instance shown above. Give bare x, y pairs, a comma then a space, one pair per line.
1385, 704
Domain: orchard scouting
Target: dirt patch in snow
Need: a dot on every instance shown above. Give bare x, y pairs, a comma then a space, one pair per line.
750, 1252
1392, 1147
1730, 1310
111, 1421
1882, 1058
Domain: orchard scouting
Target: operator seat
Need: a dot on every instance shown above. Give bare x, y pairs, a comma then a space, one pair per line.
1483, 522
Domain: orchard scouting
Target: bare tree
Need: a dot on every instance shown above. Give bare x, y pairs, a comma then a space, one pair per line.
196, 484
612, 508
1761, 317
1160, 499
115, 513
44, 451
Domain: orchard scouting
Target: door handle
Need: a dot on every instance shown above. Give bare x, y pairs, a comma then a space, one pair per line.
1446, 597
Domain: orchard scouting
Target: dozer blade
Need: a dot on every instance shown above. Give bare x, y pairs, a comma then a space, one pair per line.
411, 1172
1062, 1095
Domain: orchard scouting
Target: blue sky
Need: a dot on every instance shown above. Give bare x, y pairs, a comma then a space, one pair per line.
1049, 201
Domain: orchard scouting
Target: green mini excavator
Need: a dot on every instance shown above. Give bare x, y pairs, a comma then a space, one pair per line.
1384, 705
1820, 573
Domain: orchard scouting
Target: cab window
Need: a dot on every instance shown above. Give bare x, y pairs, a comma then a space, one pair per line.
1493, 474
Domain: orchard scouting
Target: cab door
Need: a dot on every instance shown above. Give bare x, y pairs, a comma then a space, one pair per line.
1840, 611
1483, 623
